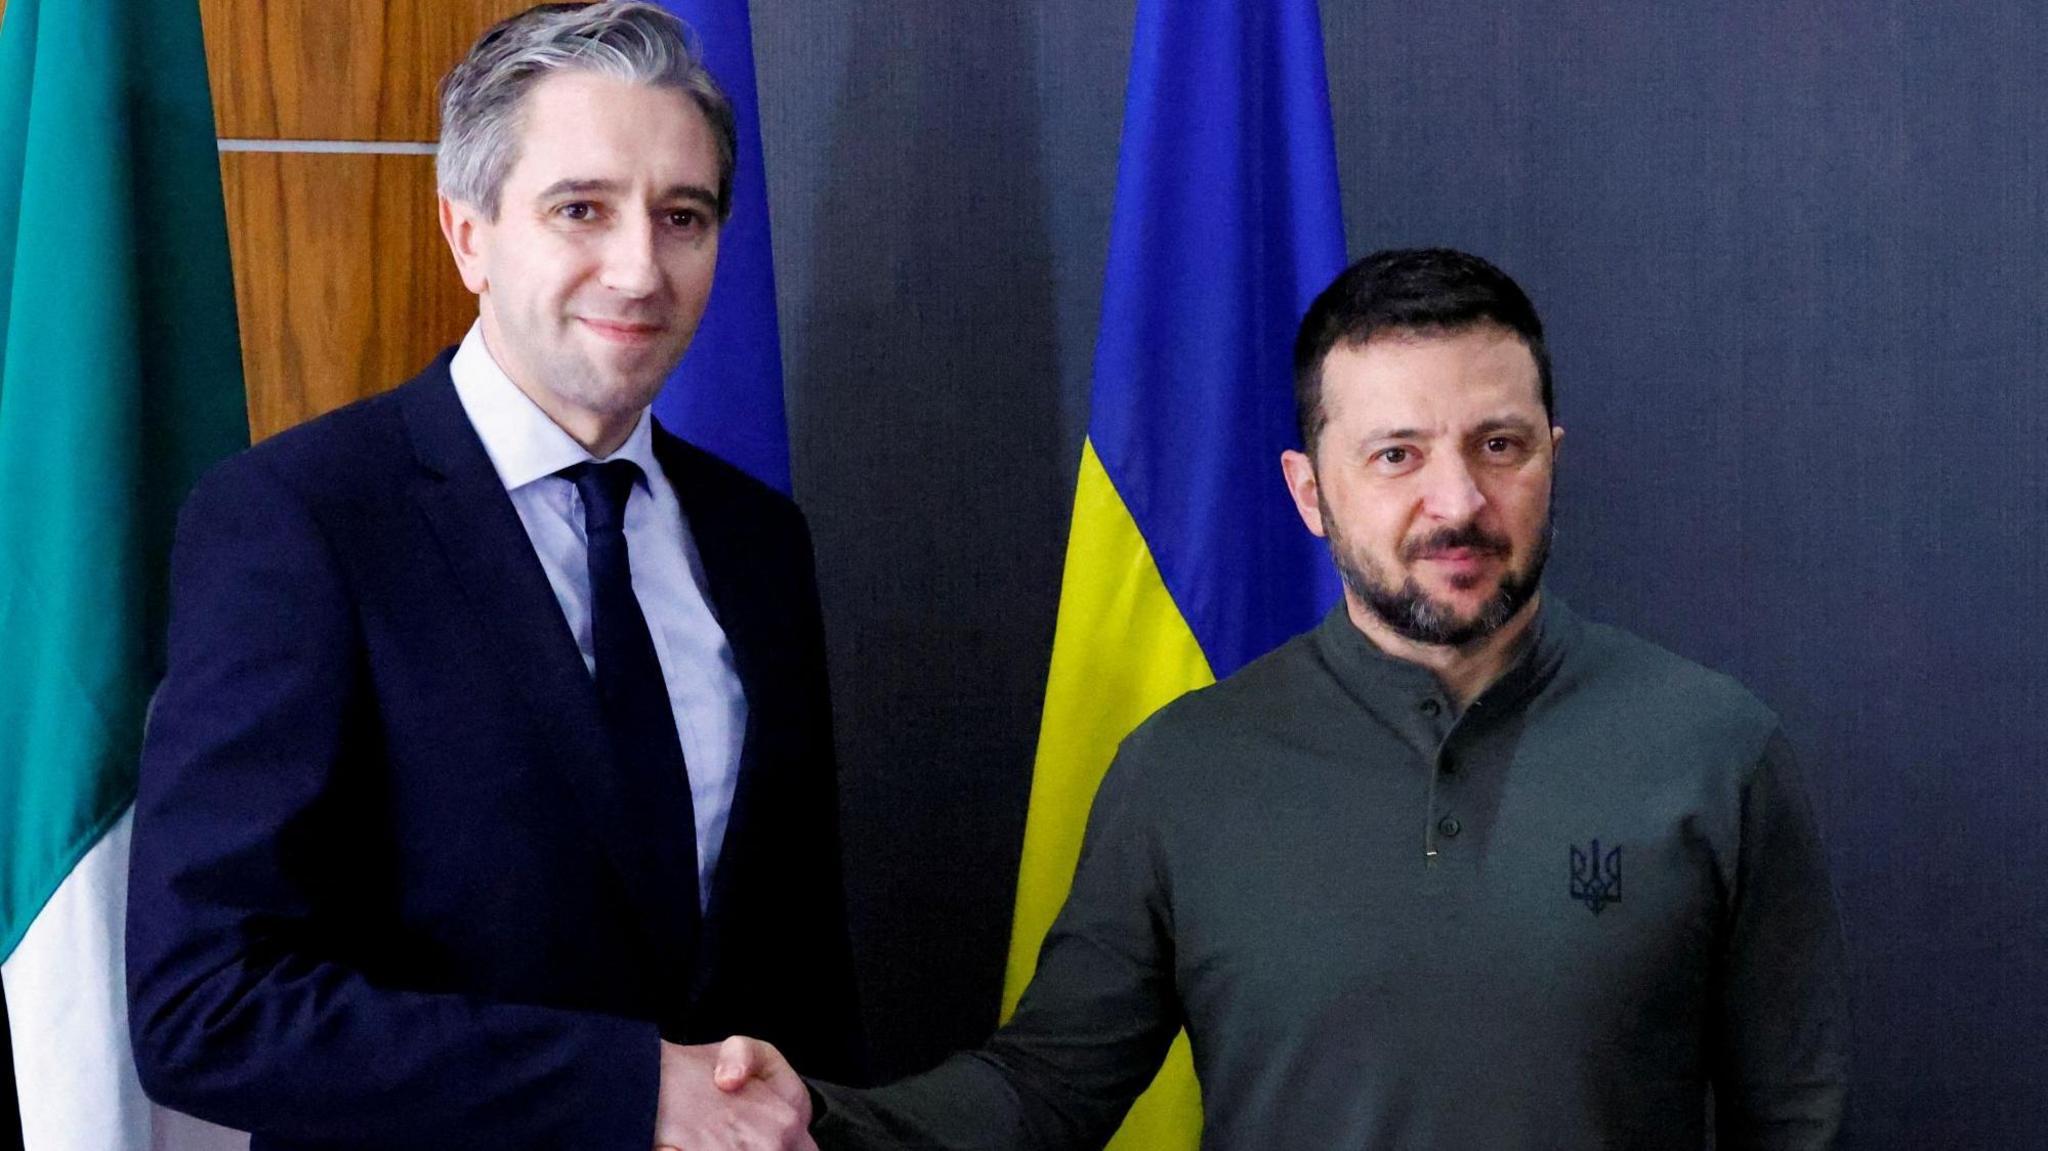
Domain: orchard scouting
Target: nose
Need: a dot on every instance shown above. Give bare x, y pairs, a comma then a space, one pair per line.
1450, 491
630, 267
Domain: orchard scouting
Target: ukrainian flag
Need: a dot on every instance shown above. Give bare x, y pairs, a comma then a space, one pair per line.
1186, 558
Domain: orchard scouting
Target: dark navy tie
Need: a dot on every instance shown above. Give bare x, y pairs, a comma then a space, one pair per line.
630, 688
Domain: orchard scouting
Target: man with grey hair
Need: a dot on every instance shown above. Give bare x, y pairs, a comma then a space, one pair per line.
492, 769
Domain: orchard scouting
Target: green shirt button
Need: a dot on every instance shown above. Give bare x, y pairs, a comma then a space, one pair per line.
1449, 827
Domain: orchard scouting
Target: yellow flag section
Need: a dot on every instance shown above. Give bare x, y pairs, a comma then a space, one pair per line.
1120, 652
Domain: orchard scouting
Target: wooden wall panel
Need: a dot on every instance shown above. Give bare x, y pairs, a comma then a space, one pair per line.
337, 69
342, 281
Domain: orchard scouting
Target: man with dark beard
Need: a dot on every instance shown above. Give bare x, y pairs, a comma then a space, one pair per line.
1454, 870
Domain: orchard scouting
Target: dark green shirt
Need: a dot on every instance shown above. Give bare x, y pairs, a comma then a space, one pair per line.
1551, 921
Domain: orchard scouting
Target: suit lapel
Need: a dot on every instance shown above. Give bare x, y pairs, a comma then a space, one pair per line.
493, 561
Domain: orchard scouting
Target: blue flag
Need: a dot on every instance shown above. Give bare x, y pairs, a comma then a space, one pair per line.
1227, 223
726, 395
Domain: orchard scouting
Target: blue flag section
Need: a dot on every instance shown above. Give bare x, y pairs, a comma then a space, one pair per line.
726, 395
1186, 558
1227, 223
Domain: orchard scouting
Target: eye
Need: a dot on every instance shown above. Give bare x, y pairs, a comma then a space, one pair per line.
1504, 449
1394, 460
689, 222
578, 210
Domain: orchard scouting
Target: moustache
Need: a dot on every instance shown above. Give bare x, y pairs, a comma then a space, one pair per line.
1470, 537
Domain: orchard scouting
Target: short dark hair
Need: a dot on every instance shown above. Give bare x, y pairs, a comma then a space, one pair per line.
1425, 291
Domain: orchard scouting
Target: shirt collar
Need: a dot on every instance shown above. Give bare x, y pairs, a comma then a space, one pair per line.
1372, 676
523, 443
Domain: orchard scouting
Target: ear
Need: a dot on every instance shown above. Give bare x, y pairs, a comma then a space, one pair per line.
464, 228
1556, 442
1300, 472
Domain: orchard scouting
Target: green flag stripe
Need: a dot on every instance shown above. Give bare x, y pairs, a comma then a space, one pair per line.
120, 380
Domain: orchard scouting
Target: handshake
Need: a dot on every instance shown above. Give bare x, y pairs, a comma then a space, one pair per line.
737, 1094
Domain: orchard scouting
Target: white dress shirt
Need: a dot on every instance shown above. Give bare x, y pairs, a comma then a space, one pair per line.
527, 448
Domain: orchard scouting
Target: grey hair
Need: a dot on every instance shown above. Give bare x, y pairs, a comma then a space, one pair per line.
630, 40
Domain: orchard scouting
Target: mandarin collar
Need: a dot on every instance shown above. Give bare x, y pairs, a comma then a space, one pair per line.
1376, 679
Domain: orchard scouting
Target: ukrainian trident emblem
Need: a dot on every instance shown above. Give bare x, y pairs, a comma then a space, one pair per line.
1596, 878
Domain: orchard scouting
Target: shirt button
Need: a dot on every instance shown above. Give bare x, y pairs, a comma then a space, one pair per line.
1431, 707
1449, 827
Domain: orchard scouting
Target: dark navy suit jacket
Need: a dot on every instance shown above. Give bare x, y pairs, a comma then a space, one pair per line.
390, 887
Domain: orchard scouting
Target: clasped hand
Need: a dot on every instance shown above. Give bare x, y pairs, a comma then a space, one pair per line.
739, 1095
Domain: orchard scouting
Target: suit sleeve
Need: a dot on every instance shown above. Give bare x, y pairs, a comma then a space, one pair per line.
240, 1010
1088, 1035
1781, 1071
834, 1044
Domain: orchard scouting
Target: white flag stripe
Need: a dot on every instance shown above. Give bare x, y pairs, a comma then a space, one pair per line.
67, 1006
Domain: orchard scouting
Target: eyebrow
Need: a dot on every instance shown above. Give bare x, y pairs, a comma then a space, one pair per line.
1503, 424
1492, 424
572, 187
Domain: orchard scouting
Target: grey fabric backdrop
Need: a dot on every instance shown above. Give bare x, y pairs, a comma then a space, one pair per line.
1793, 256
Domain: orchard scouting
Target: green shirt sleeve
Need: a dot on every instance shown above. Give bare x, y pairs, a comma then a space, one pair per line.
1089, 1033
1780, 1065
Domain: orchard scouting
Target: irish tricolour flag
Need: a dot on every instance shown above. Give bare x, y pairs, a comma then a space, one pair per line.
120, 380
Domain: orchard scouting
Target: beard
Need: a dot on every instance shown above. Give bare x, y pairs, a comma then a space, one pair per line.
1411, 612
